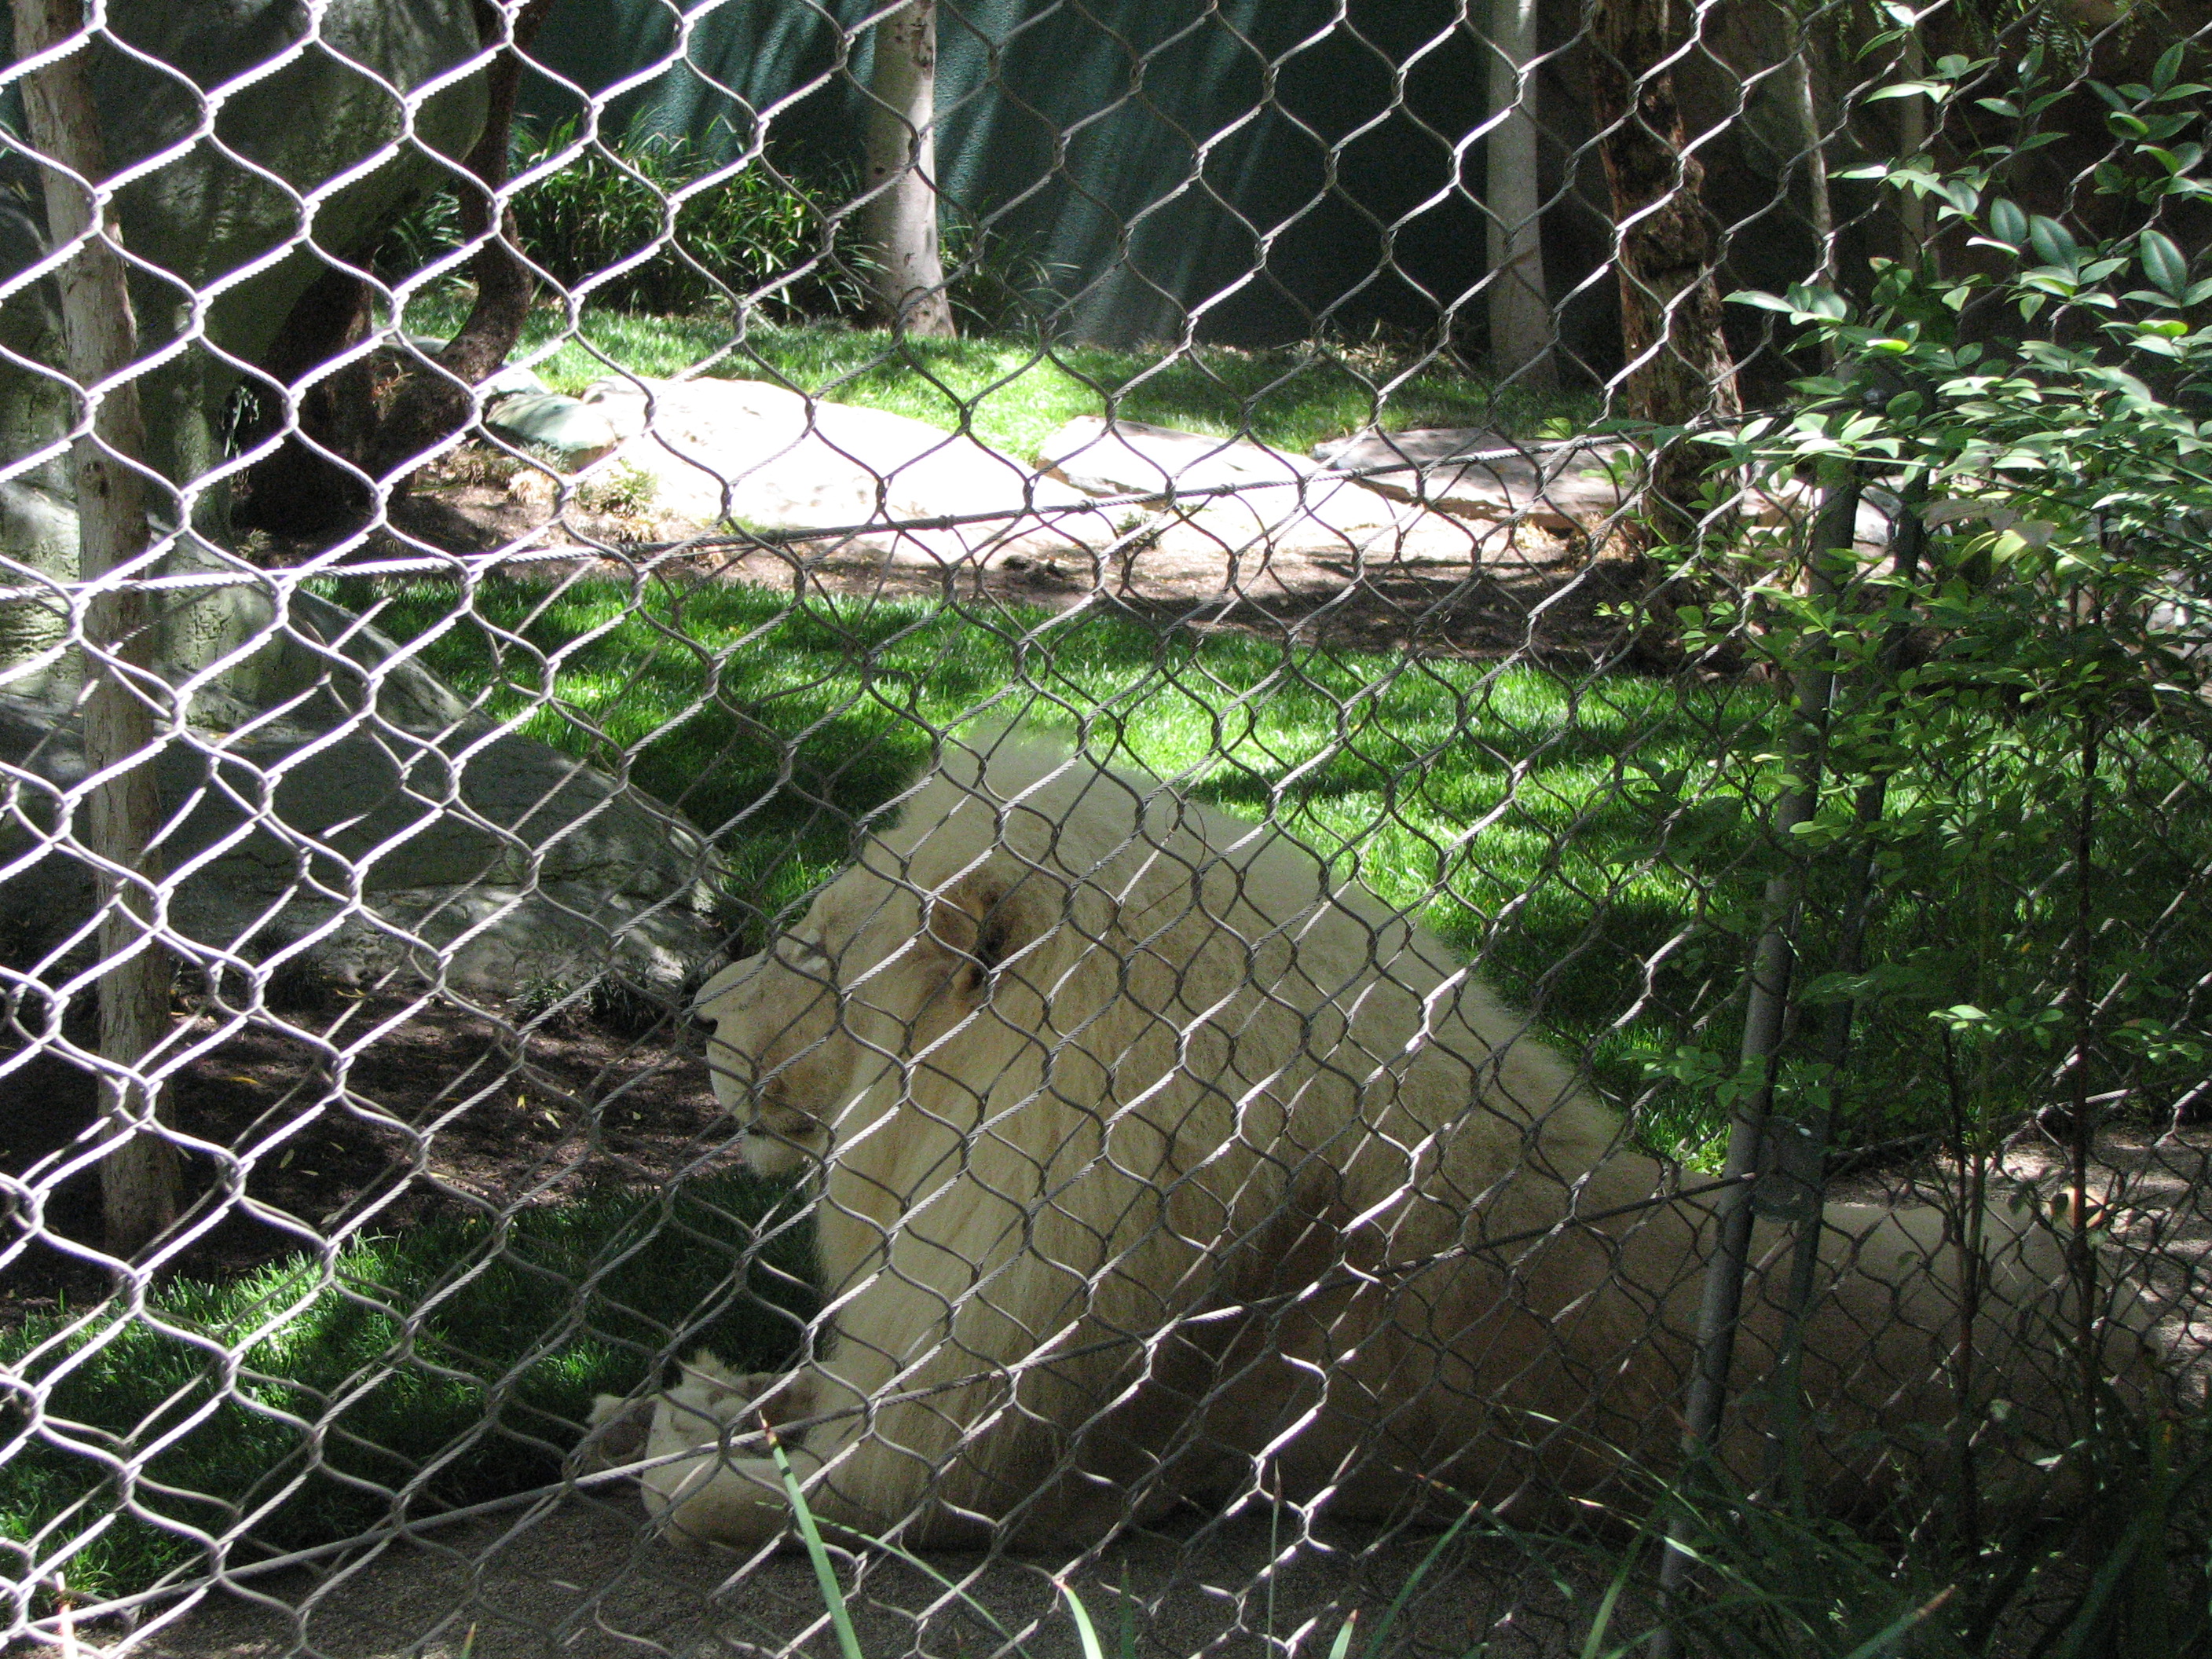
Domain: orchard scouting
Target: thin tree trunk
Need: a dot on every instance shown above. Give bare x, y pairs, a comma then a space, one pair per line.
1678, 366
898, 221
1912, 141
140, 1179
1520, 311
1821, 204
430, 407
300, 491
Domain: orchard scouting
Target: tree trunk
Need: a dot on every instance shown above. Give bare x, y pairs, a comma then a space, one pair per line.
140, 1178
1521, 324
898, 221
1819, 201
431, 407
1678, 369
300, 491
1911, 141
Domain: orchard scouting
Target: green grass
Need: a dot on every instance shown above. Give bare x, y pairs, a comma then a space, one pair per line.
1012, 394
455, 1362
1596, 846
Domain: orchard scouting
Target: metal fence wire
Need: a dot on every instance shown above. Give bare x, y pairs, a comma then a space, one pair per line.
1319, 828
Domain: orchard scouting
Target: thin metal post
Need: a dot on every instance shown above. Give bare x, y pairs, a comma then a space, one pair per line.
1792, 1185
1764, 1017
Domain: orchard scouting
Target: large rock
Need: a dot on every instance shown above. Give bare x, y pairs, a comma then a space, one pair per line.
750, 453
367, 824
1482, 475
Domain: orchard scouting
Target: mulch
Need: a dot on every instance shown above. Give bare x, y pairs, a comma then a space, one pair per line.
383, 1111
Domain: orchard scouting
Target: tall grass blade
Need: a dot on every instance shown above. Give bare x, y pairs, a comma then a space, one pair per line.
1593, 1643
1884, 1642
825, 1574
1405, 1594
1085, 1632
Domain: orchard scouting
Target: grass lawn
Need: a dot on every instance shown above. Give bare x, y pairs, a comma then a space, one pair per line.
1596, 845
1012, 394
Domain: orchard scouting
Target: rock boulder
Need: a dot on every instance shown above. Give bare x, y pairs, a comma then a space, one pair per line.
369, 823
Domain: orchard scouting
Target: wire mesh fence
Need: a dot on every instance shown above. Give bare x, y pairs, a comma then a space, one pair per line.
1330, 828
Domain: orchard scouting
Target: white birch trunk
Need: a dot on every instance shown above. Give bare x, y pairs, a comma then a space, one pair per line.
1521, 325
898, 221
140, 1178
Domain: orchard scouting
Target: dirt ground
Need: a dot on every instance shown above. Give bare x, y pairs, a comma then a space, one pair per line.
581, 1578
515, 1121
1386, 576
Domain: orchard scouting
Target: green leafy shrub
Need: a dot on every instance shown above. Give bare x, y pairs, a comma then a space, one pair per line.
649, 222
678, 233
2021, 685
737, 232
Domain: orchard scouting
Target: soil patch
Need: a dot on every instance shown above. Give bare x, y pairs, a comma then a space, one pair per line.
1416, 581
377, 1113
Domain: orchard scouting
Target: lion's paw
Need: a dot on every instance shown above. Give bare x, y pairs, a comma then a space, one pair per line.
712, 1399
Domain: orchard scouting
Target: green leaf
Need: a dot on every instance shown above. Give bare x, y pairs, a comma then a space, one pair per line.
2007, 224
1961, 194
1818, 301
2168, 67
2166, 265
2054, 244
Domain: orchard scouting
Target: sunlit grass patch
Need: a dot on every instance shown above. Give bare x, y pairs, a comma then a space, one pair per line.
1012, 393
1598, 847
1500, 802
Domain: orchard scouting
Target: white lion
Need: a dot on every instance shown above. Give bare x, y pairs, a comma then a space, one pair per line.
1154, 1166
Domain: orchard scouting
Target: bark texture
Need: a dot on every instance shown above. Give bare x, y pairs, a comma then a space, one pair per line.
1521, 323
1679, 366
305, 487
433, 406
140, 1179
898, 220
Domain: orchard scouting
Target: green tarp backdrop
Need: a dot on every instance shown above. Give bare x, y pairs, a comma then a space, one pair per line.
1259, 170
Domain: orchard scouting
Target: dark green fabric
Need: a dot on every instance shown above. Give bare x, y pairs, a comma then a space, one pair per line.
1250, 154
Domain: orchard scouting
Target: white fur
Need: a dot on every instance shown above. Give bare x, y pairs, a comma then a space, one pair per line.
1154, 1167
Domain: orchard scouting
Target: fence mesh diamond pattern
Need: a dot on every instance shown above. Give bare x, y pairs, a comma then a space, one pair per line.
1258, 827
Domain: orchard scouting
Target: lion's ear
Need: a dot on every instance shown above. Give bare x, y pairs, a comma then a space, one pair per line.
985, 917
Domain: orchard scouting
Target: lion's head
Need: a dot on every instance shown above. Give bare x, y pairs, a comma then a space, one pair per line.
950, 936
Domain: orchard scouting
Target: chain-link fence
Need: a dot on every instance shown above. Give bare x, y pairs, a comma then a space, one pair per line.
1277, 827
